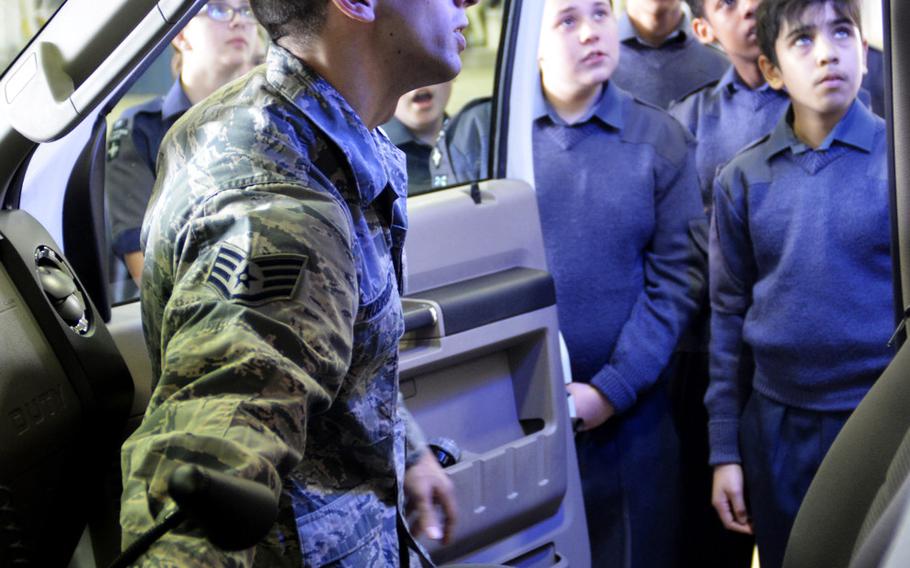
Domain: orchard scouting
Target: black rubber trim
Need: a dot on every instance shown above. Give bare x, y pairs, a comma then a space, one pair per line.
479, 301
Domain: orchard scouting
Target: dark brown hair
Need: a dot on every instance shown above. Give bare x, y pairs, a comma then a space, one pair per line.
300, 18
774, 14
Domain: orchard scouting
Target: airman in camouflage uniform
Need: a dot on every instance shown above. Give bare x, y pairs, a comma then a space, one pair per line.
271, 308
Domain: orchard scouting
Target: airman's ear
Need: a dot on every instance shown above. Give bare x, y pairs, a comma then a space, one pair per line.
703, 31
771, 72
360, 10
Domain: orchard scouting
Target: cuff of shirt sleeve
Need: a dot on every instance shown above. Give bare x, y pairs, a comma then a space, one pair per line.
615, 388
127, 242
413, 455
723, 437
415, 442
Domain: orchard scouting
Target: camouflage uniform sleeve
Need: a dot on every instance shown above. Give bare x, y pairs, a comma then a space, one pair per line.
256, 336
416, 442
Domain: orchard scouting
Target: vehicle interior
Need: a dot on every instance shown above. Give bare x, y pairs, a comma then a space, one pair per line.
481, 360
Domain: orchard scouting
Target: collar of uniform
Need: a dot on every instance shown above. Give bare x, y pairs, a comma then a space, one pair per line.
398, 133
608, 108
856, 128
732, 82
175, 101
328, 110
628, 33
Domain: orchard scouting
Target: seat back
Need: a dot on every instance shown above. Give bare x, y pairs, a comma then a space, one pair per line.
852, 488
65, 393
890, 511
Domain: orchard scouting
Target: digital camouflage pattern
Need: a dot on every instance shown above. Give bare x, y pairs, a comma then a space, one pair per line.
271, 309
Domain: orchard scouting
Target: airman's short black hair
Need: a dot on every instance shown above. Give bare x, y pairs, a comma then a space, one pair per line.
299, 18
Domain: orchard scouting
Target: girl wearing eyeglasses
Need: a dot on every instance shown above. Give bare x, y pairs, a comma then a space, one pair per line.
220, 44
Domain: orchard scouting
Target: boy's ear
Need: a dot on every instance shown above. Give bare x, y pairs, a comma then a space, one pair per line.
771, 72
703, 30
363, 11
179, 42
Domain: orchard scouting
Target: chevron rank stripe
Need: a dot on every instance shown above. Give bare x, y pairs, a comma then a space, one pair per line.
255, 280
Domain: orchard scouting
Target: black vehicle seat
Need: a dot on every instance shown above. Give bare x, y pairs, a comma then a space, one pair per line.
849, 504
65, 394
85, 234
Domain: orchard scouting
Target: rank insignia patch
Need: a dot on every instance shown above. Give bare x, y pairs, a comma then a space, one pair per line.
255, 280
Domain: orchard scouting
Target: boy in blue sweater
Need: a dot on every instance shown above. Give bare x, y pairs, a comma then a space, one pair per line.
724, 117
661, 59
800, 273
618, 196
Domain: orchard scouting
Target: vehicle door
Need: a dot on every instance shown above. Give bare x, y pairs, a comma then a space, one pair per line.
481, 367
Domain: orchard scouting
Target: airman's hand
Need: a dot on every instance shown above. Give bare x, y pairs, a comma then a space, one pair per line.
425, 486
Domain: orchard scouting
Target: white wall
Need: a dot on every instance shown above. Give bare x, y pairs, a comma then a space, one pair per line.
872, 21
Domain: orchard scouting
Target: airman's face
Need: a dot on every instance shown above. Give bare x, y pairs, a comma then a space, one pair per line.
424, 37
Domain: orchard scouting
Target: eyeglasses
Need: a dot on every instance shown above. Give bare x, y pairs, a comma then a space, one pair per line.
223, 12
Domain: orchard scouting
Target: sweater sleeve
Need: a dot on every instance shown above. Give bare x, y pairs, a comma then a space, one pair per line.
732, 274
674, 278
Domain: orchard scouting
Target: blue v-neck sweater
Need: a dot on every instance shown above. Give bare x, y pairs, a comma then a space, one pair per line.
618, 197
800, 271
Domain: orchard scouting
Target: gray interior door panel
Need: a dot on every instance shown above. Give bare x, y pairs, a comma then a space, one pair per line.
483, 369
480, 365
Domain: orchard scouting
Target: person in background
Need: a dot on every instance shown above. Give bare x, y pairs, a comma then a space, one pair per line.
724, 116
874, 80
728, 114
416, 128
800, 273
618, 195
260, 49
463, 150
216, 46
661, 59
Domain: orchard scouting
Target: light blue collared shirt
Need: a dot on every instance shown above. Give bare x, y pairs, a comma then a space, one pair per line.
725, 118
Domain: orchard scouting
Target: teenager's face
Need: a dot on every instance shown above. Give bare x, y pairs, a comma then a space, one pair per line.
424, 107
733, 25
821, 61
424, 37
653, 6
207, 43
579, 44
